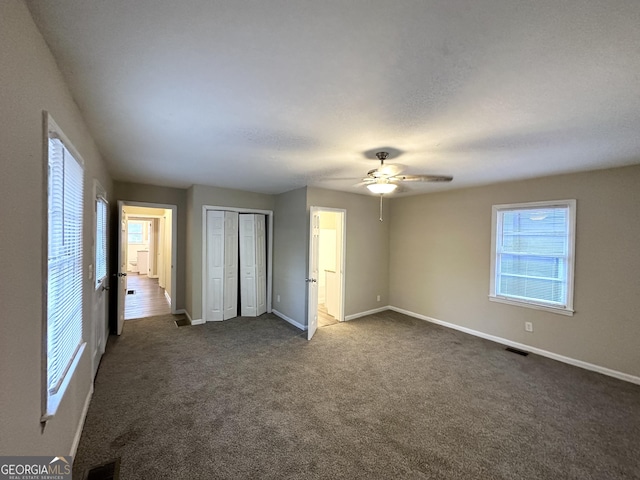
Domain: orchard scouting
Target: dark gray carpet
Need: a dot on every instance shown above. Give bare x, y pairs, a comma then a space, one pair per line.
385, 396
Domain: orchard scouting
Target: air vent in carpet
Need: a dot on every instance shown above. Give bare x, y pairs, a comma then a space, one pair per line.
182, 322
130, 292
106, 471
515, 350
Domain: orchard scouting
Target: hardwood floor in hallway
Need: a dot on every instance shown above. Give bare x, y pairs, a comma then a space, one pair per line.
147, 300
324, 319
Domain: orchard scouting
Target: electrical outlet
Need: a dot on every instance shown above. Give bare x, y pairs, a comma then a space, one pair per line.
378, 298
528, 326
278, 298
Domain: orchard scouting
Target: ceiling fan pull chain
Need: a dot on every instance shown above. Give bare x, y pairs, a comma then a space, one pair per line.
381, 206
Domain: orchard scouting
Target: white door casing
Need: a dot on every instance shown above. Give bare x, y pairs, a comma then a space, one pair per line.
312, 280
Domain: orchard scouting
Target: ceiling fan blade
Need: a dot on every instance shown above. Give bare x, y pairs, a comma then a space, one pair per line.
337, 179
386, 171
423, 178
390, 170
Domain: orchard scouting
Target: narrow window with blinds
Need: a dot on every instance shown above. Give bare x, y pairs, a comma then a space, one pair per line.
64, 342
101, 240
532, 255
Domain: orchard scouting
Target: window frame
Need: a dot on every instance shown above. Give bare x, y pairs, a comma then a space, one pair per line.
51, 400
566, 309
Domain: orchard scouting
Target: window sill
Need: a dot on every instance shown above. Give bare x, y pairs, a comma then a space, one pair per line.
536, 306
53, 401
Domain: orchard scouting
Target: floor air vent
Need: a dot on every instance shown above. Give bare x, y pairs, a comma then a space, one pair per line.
515, 350
182, 322
130, 292
106, 471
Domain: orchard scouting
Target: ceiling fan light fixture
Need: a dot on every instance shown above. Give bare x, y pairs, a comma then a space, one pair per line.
382, 187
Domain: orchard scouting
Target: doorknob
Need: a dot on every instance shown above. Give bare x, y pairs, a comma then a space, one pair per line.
119, 274
310, 280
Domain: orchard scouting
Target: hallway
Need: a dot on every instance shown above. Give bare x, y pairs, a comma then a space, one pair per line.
147, 300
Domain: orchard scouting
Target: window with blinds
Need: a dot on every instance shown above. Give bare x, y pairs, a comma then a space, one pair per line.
532, 254
65, 274
101, 240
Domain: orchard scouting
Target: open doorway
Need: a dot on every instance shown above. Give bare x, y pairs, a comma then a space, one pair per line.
147, 256
326, 267
329, 267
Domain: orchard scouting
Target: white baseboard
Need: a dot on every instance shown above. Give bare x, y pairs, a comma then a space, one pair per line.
198, 321
368, 312
290, 320
521, 346
180, 311
166, 295
83, 417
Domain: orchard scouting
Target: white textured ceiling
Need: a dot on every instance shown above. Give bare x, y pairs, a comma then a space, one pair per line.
268, 96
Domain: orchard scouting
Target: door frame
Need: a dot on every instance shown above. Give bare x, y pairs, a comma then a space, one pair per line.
174, 246
269, 214
343, 256
148, 218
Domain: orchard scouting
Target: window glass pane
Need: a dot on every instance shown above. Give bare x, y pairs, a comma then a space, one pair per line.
64, 282
136, 232
533, 266
532, 254
540, 231
101, 240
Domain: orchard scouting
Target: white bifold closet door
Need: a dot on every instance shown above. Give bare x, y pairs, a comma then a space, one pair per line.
253, 265
222, 265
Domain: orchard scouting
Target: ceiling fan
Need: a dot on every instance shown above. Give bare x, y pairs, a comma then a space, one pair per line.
386, 178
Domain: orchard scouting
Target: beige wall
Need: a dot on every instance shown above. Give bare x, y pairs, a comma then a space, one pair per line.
199, 196
30, 82
136, 192
440, 255
290, 259
367, 262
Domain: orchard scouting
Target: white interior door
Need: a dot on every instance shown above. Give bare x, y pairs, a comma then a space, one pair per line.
215, 265
101, 262
261, 265
312, 280
248, 285
230, 289
122, 271
253, 269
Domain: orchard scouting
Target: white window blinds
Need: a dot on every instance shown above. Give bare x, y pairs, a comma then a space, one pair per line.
533, 253
101, 240
64, 293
